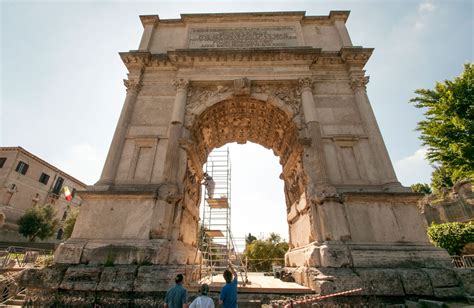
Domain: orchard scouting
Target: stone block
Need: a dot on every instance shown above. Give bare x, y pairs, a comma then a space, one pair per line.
333, 280
155, 278
45, 278
381, 282
68, 253
442, 277
411, 304
334, 256
416, 282
117, 278
466, 277
81, 278
449, 292
425, 303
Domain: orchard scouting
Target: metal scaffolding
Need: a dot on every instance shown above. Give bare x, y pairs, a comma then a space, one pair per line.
216, 243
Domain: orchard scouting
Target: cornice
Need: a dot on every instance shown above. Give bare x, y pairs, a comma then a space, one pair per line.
255, 16
355, 56
352, 56
149, 20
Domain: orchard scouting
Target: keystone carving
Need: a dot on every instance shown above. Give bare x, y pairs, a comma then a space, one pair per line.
242, 86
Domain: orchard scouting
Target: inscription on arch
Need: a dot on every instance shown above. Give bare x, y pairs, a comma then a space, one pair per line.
243, 37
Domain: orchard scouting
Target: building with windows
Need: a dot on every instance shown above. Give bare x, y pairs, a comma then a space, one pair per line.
27, 181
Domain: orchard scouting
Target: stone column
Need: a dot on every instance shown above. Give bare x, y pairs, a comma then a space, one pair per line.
174, 133
116, 147
314, 131
358, 84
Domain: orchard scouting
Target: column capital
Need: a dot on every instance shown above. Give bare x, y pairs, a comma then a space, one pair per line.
305, 84
132, 85
181, 84
359, 82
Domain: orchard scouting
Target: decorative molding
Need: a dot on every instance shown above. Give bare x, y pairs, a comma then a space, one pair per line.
201, 94
132, 85
359, 82
305, 84
287, 94
149, 20
181, 84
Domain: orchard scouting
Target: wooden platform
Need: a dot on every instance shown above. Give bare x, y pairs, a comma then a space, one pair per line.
258, 283
214, 233
218, 203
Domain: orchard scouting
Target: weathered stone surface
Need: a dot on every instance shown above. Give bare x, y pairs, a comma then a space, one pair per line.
117, 278
425, 303
442, 277
81, 278
381, 282
449, 292
334, 256
466, 277
46, 278
155, 278
415, 282
69, 252
333, 280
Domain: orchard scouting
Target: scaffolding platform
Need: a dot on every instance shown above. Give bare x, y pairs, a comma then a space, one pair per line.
214, 233
219, 203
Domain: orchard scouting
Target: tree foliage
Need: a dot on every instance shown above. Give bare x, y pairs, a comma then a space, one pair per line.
421, 188
38, 222
262, 254
448, 129
70, 223
452, 236
250, 238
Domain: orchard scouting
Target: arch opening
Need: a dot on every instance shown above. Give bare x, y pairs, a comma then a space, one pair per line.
241, 120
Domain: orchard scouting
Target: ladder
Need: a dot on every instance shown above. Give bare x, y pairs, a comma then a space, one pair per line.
217, 245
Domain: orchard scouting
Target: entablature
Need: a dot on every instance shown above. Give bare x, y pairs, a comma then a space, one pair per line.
354, 57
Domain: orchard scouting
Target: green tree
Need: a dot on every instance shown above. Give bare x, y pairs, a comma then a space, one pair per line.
421, 188
262, 254
70, 223
451, 236
38, 222
448, 129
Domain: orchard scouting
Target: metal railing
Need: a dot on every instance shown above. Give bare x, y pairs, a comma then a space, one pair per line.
19, 257
466, 261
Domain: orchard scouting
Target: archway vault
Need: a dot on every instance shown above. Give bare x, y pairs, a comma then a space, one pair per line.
245, 119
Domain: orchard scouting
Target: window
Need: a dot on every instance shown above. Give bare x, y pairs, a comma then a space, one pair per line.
2, 161
58, 185
22, 167
64, 215
73, 193
60, 234
44, 178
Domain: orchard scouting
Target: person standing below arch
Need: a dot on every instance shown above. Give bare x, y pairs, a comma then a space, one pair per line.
228, 297
177, 296
203, 301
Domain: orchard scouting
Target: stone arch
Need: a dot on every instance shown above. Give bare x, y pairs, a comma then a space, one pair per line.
262, 119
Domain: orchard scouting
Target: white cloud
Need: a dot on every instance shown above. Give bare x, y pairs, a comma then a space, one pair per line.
414, 168
426, 6
83, 162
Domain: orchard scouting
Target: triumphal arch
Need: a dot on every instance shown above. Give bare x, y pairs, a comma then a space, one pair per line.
289, 82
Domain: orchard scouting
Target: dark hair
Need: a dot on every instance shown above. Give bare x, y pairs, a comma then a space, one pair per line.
204, 289
227, 276
179, 278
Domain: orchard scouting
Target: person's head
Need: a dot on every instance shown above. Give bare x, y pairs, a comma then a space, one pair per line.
179, 278
227, 276
204, 290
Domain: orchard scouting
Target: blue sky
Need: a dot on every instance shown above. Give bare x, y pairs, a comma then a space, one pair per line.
62, 92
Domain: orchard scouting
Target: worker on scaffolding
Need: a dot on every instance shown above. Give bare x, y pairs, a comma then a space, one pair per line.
208, 181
